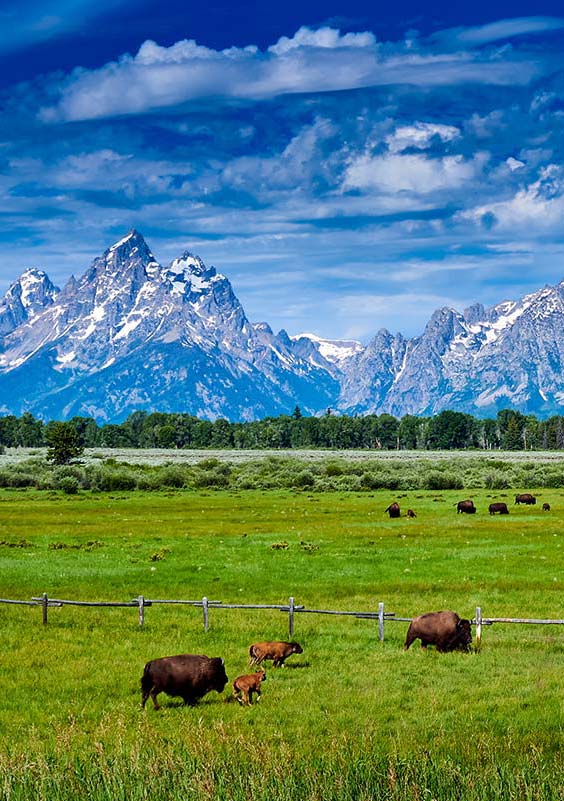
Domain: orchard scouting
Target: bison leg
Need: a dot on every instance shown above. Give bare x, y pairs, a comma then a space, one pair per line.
149, 691
189, 700
154, 692
409, 639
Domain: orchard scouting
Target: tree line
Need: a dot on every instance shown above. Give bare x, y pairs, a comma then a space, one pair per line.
448, 430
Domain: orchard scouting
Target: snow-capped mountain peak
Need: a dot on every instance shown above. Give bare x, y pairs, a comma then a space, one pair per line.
130, 334
189, 274
335, 351
28, 296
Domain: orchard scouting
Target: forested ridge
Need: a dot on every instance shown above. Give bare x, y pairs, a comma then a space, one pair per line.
449, 430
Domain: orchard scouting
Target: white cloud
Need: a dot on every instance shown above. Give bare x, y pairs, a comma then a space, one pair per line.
514, 164
311, 61
410, 173
538, 206
501, 29
420, 135
322, 37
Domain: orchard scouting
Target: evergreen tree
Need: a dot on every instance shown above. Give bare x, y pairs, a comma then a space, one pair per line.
64, 443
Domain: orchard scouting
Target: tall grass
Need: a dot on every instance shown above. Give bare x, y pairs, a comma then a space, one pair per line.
350, 718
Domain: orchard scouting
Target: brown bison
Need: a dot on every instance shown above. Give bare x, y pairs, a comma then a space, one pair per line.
393, 510
278, 652
498, 508
188, 676
446, 630
526, 497
546, 507
410, 513
245, 686
465, 507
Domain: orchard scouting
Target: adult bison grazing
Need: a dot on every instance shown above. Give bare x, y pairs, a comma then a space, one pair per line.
498, 508
465, 507
276, 651
393, 510
527, 498
546, 507
446, 630
188, 676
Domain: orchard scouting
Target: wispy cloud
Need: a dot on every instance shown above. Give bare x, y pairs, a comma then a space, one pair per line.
501, 29
310, 62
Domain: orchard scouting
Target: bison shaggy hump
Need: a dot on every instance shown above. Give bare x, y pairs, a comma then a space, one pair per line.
446, 630
188, 676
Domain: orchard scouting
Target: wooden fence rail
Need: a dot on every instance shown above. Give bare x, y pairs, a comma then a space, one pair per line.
291, 609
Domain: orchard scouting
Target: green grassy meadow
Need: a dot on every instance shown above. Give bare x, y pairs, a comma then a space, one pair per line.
350, 718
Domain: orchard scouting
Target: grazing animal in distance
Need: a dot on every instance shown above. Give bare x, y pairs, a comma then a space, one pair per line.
465, 507
446, 630
275, 651
546, 507
526, 498
410, 513
498, 508
245, 686
393, 510
188, 676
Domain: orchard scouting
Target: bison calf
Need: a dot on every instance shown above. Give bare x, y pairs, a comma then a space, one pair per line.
188, 676
245, 686
278, 652
446, 630
410, 513
546, 507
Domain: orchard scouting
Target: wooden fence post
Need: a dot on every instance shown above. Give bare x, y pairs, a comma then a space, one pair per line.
141, 602
291, 616
206, 611
381, 621
45, 606
478, 627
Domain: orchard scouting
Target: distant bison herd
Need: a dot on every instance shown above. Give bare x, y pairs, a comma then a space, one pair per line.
191, 676
467, 506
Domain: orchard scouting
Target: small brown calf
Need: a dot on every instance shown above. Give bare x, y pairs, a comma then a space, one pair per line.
276, 651
245, 686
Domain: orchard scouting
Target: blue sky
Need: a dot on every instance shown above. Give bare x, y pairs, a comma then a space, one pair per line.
347, 166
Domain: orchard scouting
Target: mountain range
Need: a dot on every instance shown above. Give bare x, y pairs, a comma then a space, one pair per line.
132, 334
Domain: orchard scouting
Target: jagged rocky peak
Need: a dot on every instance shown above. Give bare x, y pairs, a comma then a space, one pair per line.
189, 272
335, 351
34, 289
262, 327
129, 255
29, 295
474, 313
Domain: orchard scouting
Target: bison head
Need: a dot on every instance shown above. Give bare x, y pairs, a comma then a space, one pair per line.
296, 648
464, 634
219, 679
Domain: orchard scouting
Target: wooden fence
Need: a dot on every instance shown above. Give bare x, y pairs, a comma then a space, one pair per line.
291, 609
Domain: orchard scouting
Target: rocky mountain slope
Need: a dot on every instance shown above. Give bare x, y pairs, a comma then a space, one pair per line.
131, 334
